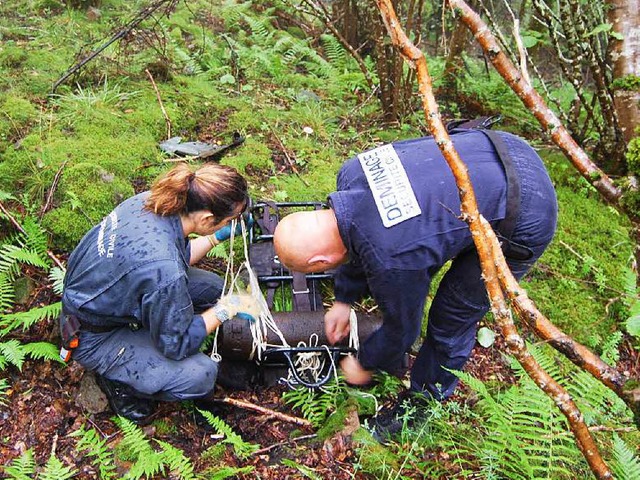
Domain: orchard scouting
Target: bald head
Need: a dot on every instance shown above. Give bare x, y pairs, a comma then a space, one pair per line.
309, 241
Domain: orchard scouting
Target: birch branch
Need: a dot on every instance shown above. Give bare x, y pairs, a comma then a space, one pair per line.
486, 251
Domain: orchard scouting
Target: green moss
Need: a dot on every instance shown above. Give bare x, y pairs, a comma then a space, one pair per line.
12, 55
628, 82
87, 193
252, 153
581, 270
17, 114
633, 154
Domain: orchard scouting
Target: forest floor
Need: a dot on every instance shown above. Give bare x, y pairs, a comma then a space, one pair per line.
47, 402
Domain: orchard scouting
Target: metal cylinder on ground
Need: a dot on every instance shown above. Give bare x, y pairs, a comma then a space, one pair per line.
236, 342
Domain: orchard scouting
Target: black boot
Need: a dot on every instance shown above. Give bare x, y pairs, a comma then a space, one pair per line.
407, 411
124, 402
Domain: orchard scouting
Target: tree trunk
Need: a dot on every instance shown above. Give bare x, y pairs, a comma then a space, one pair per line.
625, 56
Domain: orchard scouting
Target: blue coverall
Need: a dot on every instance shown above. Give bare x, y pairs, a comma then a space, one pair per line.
132, 272
396, 264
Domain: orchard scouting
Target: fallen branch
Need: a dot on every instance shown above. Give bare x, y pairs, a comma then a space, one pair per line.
267, 411
143, 15
485, 242
288, 157
284, 442
54, 185
164, 112
22, 230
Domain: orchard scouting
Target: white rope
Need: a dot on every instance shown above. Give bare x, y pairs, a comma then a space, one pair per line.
309, 364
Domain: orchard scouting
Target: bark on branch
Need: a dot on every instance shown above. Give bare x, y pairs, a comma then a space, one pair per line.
536, 104
485, 241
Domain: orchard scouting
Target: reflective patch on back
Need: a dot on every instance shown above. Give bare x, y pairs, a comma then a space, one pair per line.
389, 185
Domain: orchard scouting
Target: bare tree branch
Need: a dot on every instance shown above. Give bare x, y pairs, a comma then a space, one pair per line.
485, 242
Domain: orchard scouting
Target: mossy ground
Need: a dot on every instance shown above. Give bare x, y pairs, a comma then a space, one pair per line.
301, 118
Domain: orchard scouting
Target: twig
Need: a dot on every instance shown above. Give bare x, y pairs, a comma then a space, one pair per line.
284, 442
22, 230
164, 112
144, 14
288, 157
267, 411
54, 185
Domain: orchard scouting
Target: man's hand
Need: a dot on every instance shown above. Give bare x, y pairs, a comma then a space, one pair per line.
336, 322
225, 232
353, 371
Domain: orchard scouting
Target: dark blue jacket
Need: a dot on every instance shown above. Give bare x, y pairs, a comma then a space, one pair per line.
396, 264
132, 267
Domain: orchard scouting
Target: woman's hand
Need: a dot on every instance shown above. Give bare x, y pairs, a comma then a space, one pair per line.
336, 322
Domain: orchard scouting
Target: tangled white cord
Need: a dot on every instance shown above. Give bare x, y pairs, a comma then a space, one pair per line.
308, 364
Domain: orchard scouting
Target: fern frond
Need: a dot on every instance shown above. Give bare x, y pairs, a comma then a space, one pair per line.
12, 352
56, 470
147, 466
4, 386
610, 349
11, 255
42, 350
56, 277
625, 465
7, 296
89, 441
334, 51
22, 468
148, 461
225, 472
24, 320
242, 449
178, 463
34, 238
134, 438
261, 29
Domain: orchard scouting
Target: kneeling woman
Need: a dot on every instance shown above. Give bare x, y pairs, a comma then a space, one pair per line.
142, 310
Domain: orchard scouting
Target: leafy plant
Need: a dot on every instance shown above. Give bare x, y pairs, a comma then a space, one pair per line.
89, 441
26, 468
243, 449
626, 464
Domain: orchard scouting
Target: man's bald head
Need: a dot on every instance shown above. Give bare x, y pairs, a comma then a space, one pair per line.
309, 241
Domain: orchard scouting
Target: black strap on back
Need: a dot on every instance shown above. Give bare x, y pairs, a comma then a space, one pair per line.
508, 224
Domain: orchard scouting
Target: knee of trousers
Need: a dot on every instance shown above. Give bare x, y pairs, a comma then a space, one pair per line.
202, 379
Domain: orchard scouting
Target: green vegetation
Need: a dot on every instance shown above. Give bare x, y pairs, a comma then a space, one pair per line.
304, 107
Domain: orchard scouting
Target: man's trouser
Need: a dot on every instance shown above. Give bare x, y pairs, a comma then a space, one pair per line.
129, 356
461, 300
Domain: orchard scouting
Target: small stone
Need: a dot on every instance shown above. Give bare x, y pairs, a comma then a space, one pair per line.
89, 396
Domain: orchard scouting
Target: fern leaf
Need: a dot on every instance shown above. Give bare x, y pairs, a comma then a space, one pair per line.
4, 386
148, 461
178, 463
24, 320
242, 449
22, 468
6, 293
12, 352
90, 442
42, 350
626, 465
34, 238
225, 472
56, 470
56, 277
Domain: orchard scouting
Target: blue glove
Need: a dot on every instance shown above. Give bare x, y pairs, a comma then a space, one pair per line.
225, 232
246, 316
242, 306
